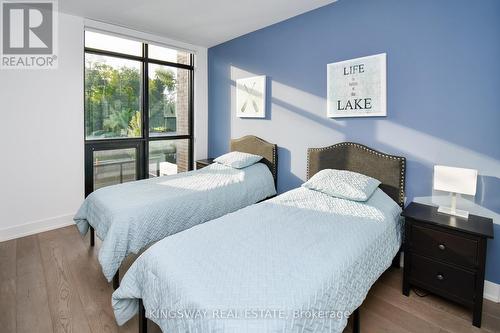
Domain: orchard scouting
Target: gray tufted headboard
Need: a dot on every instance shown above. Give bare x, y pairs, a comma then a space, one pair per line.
388, 169
255, 145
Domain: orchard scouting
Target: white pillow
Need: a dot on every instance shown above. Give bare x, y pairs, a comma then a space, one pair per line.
238, 160
343, 184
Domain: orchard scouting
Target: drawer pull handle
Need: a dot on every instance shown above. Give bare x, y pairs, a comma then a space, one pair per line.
440, 277
441, 247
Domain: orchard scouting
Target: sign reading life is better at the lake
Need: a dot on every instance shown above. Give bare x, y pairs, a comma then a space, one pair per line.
357, 87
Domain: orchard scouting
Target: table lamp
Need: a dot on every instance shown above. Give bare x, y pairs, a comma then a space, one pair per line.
454, 180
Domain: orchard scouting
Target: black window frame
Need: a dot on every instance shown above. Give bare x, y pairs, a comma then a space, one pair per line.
141, 144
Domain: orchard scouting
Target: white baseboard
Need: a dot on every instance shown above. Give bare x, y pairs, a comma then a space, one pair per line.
35, 227
492, 291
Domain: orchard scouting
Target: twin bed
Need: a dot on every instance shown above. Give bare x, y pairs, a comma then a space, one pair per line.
130, 217
300, 262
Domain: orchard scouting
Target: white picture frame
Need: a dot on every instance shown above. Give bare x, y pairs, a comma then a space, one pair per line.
357, 87
251, 97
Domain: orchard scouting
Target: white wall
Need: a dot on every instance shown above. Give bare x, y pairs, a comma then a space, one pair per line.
41, 139
41, 134
201, 104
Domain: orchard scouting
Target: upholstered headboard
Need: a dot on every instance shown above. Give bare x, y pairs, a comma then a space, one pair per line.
388, 169
255, 145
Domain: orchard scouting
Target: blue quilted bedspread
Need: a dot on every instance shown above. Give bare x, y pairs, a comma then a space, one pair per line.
300, 262
131, 216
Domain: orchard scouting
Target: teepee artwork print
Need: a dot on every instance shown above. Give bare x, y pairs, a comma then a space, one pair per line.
251, 97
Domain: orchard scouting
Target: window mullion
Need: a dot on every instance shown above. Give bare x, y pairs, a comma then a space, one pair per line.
145, 109
191, 113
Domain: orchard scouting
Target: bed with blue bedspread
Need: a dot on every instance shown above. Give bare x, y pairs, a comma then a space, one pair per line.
300, 262
301, 251
131, 216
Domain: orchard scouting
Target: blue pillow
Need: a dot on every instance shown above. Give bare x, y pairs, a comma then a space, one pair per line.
343, 184
238, 160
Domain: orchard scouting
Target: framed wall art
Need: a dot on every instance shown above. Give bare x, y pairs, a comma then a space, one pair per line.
251, 97
357, 87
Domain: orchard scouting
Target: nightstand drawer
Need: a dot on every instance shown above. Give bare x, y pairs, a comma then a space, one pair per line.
444, 246
442, 278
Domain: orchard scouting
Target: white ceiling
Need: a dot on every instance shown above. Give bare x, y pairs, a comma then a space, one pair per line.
200, 22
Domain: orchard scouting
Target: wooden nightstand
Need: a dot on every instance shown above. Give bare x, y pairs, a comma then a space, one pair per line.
203, 163
446, 255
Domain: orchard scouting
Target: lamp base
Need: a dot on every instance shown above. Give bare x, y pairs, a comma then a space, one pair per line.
455, 212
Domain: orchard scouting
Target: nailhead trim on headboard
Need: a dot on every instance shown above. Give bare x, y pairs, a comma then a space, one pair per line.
275, 166
402, 161
274, 161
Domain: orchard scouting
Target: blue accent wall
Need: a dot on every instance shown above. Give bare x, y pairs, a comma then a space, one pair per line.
443, 88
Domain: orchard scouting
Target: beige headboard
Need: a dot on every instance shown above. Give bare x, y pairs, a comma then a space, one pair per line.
255, 145
388, 169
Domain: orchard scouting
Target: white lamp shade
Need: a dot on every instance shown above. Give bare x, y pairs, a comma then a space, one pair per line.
456, 180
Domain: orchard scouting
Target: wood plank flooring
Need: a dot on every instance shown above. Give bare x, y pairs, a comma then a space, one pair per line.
52, 282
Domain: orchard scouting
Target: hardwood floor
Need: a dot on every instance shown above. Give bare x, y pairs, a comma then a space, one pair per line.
52, 282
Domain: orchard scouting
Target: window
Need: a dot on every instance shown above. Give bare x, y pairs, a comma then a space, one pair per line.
98, 41
114, 166
138, 110
112, 97
168, 157
168, 100
169, 55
